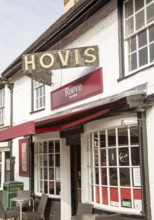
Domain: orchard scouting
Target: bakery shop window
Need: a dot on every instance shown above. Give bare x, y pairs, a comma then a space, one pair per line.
115, 180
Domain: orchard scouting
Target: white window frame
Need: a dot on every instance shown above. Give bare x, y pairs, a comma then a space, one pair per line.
92, 174
3, 164
38, 95
135, 33
40, 167
2, 106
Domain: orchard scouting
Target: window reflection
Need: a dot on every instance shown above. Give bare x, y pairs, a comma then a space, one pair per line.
124, 177
123, 156
111, 137
113, 176
112, 157
104, 176
102, 139
135, 156
103, 157
97, 175
134, 135
122, 136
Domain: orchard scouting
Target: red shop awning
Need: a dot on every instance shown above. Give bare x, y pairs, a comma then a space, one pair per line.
72, 119
27, 128
62, 121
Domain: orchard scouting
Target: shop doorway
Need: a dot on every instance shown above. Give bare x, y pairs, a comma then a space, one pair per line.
75, 158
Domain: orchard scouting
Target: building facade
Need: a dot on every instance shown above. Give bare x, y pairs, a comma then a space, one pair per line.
87, 137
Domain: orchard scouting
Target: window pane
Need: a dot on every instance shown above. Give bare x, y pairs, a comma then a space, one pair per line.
57, 146
45, 147
51, 173
139, 4
129, 26
58, 189
97, 175
103, 157
123, 157
133, 61
142, 39
45, 174
51, 147
128, 8
143, 56
57, 159
102, 139
134, 135
96, 139
51, 187
112, 157
135, 156
104, 176
151, 52
113, 176
124, 177
111, 138
45, 160
150, 14
45, 187
151, 34
132, 44
122, 136
51, 160
140, 20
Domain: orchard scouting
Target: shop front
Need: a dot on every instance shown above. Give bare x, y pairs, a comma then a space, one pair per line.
100, 160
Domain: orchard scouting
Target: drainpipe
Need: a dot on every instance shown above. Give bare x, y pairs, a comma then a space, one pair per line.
12, 159
141, 115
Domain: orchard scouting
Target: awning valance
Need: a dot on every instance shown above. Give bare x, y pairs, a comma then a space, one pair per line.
63, 121
71, 119
27, 128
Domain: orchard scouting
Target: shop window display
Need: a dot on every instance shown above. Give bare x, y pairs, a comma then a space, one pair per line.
47, 167
115, 168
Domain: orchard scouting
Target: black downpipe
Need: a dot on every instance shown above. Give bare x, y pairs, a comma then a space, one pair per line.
141, 115
12, 159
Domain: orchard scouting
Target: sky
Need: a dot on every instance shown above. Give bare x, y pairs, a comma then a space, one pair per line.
22, 22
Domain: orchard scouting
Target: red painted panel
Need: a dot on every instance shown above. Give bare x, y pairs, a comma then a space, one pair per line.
82, 88
104, 196
137, 194
92, 193
114, 194
97, 194
125, 194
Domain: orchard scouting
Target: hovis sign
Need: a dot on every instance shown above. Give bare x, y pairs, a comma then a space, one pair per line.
38, 64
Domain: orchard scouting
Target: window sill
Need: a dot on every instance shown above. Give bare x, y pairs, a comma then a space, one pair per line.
35, 111
135, 72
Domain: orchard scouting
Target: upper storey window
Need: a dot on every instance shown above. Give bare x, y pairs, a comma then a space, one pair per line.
2, 106
138, 34
38, 95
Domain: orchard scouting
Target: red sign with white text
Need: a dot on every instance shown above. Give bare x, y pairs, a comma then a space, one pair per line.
82, 88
